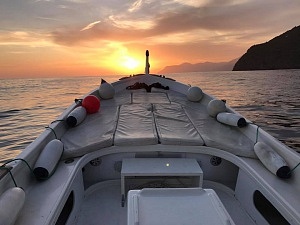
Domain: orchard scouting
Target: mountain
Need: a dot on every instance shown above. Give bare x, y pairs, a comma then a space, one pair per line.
206, 66
281, 52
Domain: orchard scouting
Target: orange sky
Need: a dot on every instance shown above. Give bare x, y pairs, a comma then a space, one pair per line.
92, 37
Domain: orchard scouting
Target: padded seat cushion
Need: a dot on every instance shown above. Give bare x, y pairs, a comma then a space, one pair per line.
174, 127
85, 138
136, 125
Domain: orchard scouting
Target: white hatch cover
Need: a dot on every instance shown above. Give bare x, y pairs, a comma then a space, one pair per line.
176, 206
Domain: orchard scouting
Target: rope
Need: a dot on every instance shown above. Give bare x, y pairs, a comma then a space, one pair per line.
57, 121
2, 167
47, 127
10, 173
293, 168
19, 159
256, 134
9, 169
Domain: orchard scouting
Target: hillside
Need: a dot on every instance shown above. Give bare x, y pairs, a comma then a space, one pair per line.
206, 66
282, 52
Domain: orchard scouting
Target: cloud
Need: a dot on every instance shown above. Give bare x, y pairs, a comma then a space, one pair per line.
186, 19
194, 3
63, 19
22, 38
91, 25
191, 30
135, 6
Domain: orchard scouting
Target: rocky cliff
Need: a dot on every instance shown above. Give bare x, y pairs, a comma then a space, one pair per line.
282, 52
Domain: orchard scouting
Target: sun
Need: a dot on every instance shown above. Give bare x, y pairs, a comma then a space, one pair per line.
130, 63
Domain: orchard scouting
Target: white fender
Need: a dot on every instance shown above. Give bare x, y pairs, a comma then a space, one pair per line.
272, 160
11, 203
216, 106
106, 90
76, 116
194, 94
231, 119
48, 159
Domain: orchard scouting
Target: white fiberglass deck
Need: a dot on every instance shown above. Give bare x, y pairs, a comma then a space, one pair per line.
102, 205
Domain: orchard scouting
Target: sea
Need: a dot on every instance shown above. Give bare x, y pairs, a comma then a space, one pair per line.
270, 99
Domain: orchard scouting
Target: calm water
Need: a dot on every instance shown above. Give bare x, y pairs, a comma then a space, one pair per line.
268, 98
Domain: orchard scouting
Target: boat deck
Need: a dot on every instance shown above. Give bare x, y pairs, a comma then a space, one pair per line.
141, 118
102, 205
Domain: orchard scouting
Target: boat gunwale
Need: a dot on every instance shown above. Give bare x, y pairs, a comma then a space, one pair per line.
267, 189
32, 151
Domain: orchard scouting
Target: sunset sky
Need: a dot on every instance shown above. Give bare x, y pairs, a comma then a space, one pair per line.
93, 37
